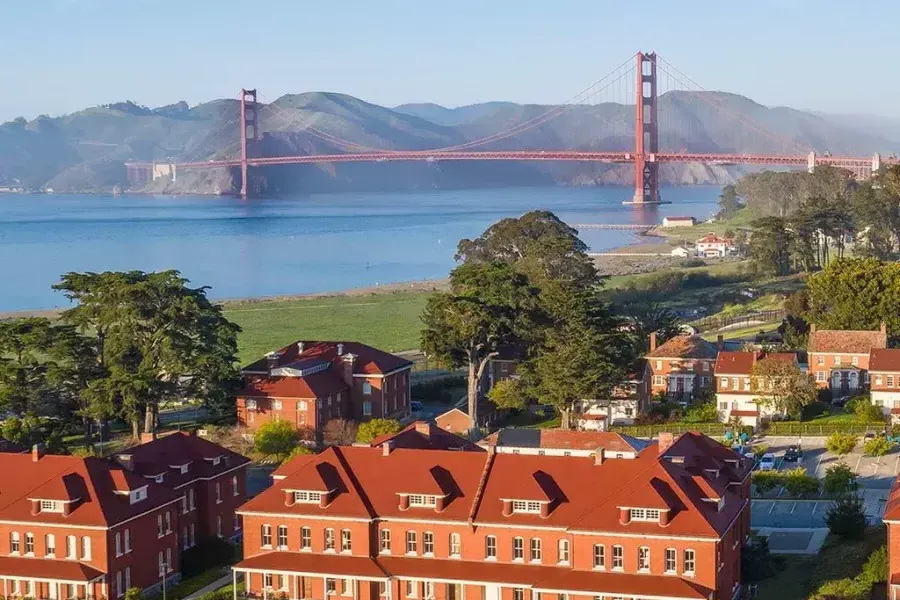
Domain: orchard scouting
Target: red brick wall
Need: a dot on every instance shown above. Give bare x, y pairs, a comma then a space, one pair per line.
389, 396
664, 366
862, 362
893, 550
209, 511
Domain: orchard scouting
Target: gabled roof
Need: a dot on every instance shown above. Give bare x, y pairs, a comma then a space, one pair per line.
309, 387
847, 341
427, 436
369, 360
712, 238
742, 363
563, 439
685, 346
94, 482
45, 568
162, 455
884, 359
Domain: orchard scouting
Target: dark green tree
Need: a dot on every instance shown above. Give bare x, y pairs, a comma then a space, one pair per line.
846, 516
770, 246
855, 294
374, 428
729, 202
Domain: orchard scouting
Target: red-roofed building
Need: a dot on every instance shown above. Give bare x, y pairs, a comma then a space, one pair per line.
681, 365
398, 523
212, 481
839, 359
734, 390
562, 442
424, 435
884, 380
310, 383
713, 246
75, 527
621, 407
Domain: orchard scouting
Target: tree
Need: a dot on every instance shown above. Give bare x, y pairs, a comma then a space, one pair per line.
134, 594
865, 411
340, 432
647, 314
301, 450
855, 294
729, 202
23, 365
846, 516
798, 483
839, 479
876, 205
154, 338
508, 394
770, 245
707, 412
841, 443
783, 385
370, 430
275, 438
766, 481
489, 307
757, 563
877, 446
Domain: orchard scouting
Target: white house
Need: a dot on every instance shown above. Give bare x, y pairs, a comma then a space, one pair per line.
679, 221
680, 252
713, 246
884, 380
734, 390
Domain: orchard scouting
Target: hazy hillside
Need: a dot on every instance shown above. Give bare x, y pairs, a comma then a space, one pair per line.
86, 151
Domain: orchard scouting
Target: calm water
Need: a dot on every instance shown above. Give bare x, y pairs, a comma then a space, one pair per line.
316, 243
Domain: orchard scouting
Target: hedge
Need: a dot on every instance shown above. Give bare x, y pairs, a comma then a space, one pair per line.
818, 429
645, 431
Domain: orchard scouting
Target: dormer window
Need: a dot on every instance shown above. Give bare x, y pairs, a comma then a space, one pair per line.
159, 478
526, 506
135, 496
52, 506
645, 514
305, 497
422, 500
183, 469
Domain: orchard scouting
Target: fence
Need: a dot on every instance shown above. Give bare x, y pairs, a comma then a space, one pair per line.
821, 429
739, 321
646, 431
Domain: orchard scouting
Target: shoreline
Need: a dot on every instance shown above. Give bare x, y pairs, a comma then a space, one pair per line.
425, 285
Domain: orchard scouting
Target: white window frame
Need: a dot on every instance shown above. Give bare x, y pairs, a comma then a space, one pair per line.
518, 549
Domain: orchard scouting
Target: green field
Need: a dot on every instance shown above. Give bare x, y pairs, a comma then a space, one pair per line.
387, 321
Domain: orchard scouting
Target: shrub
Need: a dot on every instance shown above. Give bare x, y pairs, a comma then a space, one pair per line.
707, 412
759, 450
340, 432
301, 450
766, 481
134, 594
277, 438
842, 589
846, 517
841, 443
370, 430
757, 562
797, 483
876, 568
209, 553
690, 263
865, 411
839, 479
877, 446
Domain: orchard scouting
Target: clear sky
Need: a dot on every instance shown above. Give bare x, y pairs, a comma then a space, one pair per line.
59, 56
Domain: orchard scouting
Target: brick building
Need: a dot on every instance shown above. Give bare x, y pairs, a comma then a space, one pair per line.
734, 390
626, 402
424, 435
310, 383
75, 527
884, 380
211, 479
562, 442
386, 523
681, 366
892, 522
839, 359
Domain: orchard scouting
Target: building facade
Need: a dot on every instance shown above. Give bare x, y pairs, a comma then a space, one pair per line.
310, 383
681, 367
562, 442
622, 407
839, 359
713, 246
884, 380
386, 523
424, 435
735, 393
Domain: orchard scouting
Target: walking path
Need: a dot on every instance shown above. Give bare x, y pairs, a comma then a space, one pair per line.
218, 583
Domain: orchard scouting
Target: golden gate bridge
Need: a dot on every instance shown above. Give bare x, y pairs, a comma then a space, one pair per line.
646, 72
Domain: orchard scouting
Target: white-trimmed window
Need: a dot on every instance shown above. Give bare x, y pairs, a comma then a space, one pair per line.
724, 381
689, 562
85, 548
428, 543
267, 580
366, 388
410, 588
599, 556
518, 548
51, 506
185, 540
346, 541
878, 380
276, 404
118, 543
618, 557
29, 543
50, 544
490, 547
385, 541
518, 593
168, 522
428, 590
643, 558
14, 542
526, 506
455, 545
644, 514
412, 544
282, 537
536, 551
127, 536
119, 590
890, 381
218, 493
304, 497
127, 578
71, 547
305, 538
671, 560
234, 485
159, 526
329, 539
330, 587
266, 536
422, 500
191, 504
854, 360
169, 565
562, 554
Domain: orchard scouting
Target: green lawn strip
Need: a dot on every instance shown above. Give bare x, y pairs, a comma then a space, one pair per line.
387, 321
188, 586
839, 558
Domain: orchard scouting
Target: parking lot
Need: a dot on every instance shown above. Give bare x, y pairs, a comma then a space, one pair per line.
875, 475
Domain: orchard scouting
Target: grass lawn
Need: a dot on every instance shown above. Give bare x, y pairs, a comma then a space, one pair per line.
737, 334
387, 321
838, 559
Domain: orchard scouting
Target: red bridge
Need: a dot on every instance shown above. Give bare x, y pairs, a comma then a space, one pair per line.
644, 72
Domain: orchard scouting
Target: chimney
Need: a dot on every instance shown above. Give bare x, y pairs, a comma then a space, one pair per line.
148, 437
387, 447
720, 342
325, 499
300, 348
37, 451
883, 327
35, 506
288, 497
652, 341
507, 508
271, 360
340, 349
404, 502
666, 440
349, 365
599, 456
664, 517
423, 428
624, 516
440, 503
126, 460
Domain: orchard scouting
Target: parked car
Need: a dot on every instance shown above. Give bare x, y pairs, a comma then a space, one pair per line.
793, 454
748, 452
767, 462
416, 406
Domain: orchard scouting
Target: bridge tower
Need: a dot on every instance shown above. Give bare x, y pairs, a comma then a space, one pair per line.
646, 132
249, 133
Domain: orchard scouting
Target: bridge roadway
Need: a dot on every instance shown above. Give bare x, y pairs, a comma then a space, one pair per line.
543, 155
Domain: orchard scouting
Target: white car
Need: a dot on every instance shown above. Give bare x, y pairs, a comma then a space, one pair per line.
767, 462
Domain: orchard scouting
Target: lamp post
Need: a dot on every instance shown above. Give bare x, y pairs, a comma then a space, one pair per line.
163, 566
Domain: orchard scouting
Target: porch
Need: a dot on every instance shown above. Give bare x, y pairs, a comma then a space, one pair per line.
45, 579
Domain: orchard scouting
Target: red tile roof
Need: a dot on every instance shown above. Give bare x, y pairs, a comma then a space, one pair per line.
426, 436
563, 439
310, 387
741, 363
744, 413
685, 346
621, 584
845, 341
712, 238
585, 495
163, 454
45, 568
93, 480
453, 420
369, 360
884, 359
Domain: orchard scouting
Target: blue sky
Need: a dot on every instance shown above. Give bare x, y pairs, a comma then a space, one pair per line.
62, 55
